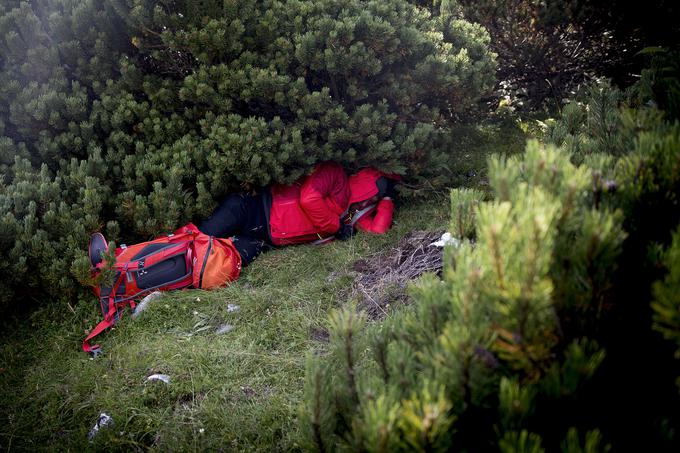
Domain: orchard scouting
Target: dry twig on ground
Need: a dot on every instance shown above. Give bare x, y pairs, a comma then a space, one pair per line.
380, 280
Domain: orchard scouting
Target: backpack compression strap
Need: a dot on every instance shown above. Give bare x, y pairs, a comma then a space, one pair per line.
363, 212
108, 320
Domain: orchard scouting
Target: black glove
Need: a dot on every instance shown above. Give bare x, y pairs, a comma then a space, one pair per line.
385, 187
345, 232
390, 192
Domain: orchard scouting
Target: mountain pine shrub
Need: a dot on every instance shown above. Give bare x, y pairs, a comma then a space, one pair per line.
667, 297
550, 327
133, 117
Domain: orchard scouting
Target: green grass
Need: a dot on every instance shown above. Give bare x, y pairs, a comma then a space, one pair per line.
241, 390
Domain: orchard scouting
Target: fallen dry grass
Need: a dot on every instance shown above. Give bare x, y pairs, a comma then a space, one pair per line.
380, 279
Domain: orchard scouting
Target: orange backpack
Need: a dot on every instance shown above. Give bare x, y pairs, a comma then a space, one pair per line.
180, 260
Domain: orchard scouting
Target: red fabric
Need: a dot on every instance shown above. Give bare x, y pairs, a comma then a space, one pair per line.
378, 221
102, 326
216, 262
188, 240
108, 320
188, 228
362, 184
325, 196
311, 208
181, 242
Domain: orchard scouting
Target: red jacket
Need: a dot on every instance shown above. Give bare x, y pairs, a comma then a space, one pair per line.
362, 187
310, 209
379, 220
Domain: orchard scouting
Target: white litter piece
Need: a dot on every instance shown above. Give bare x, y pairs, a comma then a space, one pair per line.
231, 308
224, 328
446, 239
145, 302
159, 377
103, 421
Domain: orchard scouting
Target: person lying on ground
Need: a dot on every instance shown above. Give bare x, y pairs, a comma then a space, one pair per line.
320, 207
371, 206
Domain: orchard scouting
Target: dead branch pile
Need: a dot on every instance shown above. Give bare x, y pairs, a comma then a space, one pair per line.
381, 279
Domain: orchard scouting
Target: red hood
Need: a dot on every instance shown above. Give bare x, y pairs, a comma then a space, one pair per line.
362, 185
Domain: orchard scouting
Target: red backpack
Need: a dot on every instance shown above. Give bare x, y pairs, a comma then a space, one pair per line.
180, 260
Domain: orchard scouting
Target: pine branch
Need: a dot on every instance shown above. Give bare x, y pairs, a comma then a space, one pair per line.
349, 358
316, 420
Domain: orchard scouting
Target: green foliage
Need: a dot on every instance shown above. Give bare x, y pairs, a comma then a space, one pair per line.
660, 81
520, 442
547, 49
666, 303
532, 324
425, 421
572, 443
594, 126
464, 202
138, 116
